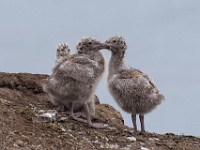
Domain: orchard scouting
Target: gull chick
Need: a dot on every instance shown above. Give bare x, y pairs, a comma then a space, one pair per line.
76, 78
134, 91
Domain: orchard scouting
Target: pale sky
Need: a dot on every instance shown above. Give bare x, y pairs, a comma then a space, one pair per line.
162, 38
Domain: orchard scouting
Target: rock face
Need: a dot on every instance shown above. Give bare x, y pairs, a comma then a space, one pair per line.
21, 97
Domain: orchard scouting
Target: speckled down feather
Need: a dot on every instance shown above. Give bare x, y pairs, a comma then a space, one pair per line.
77, 76
134, 91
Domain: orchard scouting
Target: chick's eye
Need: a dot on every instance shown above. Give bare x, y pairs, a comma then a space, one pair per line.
114, 41
90, 43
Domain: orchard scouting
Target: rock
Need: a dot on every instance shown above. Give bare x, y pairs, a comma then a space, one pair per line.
143, 148
22, 81
113, 146
154, 139
5, 102
19, 143
21, 98
106, 113
132, 139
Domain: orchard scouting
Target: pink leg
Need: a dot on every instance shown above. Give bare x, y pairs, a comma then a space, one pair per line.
142, 123
72, 114
88, 121
90, 124
133, 116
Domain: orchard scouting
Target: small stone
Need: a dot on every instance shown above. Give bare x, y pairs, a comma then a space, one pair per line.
101, 146
81, 133
125, 148
144, 148
71, 135
105, 146
19, 143
142, 143
132, 139
154, 139
5, 102
63, 129
170, 147
96, 141
106, 139
62, 119
36, 147
113, 146
112, 128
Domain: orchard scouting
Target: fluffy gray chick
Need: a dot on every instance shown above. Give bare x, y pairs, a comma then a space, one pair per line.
134, 91
76, 78
63, 53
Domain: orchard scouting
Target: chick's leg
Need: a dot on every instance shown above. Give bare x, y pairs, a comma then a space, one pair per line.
133, 116
142, 123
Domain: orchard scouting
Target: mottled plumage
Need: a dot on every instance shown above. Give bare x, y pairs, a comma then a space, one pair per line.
134, 91
62, 52
76, 77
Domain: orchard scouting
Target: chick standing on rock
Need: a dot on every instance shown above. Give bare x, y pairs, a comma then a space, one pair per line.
77, 77
62, 53
134, 91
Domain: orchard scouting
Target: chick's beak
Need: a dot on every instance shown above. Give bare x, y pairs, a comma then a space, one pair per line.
112, 47
101, 46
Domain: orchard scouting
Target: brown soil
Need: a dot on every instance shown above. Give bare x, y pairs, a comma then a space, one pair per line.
21, 97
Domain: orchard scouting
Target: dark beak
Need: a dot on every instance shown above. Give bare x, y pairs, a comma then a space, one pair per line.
112, 47
101, 46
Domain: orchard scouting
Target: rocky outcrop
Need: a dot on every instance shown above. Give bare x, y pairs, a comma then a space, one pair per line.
22, 97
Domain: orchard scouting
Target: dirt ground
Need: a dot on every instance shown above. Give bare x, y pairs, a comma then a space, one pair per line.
21, 97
